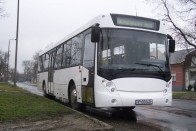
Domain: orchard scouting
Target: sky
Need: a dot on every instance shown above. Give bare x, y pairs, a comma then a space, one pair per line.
45, 22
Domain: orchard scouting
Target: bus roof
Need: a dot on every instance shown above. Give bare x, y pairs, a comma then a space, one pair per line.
104, 21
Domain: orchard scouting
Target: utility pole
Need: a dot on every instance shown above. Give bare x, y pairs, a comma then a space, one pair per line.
16, 52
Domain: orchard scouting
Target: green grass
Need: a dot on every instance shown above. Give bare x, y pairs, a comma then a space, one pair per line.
6, 87
189, 95
16, 104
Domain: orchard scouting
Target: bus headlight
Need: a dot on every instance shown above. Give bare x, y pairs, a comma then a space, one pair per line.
112, 89
109, 85
165, 92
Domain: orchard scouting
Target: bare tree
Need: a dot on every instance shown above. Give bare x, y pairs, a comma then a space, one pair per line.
11, 74
3, 65
30, 68
27, 64
2, 10
181, 18
35, 66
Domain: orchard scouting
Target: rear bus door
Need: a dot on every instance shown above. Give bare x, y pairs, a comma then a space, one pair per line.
51, 72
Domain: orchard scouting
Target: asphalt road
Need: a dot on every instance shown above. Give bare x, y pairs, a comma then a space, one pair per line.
181, 116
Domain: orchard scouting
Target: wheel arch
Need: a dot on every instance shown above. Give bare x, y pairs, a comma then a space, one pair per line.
43, 83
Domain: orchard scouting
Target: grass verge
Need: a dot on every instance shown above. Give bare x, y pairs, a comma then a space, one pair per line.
16, 104
189, 95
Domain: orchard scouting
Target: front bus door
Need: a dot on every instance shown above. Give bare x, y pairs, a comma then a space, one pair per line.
88, 71
51, 73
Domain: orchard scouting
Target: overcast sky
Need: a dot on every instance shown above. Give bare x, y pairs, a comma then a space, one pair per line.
43, 22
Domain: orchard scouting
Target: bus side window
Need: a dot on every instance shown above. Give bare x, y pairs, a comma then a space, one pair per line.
64, 56
67, 50
43, 62
40, 67
46, 62
58, 59
76, 50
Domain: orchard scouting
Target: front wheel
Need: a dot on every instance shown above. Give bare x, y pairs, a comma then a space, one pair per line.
73, 99
130, 108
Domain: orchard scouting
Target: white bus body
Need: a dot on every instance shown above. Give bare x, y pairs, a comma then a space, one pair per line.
128, 67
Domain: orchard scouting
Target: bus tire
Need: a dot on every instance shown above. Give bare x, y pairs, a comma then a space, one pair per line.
130, 108
45, 93
44, 89
73, 99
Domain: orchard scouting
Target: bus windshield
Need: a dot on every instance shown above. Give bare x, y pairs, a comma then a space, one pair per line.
132, 53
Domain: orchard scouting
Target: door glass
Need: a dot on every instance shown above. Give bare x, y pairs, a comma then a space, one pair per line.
88, 63
89, 51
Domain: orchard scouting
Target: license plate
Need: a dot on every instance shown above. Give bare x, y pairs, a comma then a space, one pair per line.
144, 102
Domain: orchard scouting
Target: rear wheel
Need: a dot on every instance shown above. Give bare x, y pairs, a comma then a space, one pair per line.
45, 93
44, 90
73, 99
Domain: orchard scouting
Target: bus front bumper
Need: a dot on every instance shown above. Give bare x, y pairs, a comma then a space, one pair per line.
126, 99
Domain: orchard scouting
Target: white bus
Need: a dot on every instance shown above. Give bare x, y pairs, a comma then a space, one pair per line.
115, 60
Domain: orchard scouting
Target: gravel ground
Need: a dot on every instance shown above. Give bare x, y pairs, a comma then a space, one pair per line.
122, 120
70, 122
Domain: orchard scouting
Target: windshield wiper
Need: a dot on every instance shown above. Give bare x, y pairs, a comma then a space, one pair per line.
159, 67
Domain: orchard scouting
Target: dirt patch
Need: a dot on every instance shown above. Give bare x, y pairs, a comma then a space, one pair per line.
69, 122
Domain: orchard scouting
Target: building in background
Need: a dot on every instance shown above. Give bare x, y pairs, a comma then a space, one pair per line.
183, 68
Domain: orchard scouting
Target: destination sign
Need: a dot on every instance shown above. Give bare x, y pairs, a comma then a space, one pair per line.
137, 22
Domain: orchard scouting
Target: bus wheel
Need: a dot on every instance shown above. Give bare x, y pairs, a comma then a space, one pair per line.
73, 99
44, 90
130, 108
45, 94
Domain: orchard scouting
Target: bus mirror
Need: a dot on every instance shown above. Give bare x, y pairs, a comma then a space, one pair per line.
171, 46
95, 33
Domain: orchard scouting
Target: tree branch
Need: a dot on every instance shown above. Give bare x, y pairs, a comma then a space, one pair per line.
174, 25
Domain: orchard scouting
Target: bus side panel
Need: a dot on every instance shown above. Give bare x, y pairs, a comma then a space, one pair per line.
61, 83
62, 78
40, 78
